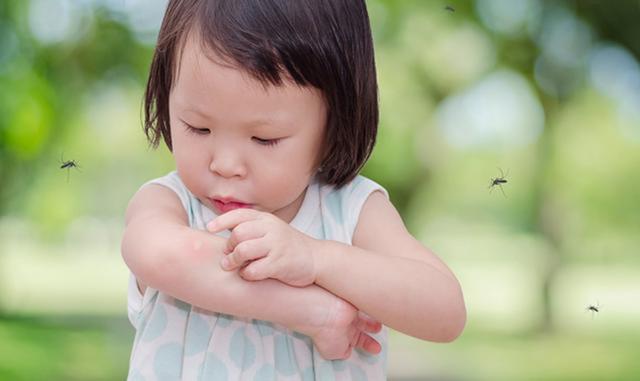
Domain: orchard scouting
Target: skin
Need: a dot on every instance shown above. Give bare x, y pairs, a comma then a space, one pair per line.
221, 121
222, 126
422, 297
219, 131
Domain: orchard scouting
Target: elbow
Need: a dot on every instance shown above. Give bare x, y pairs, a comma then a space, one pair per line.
126, 251
447, 325
143, 258
455, 325
455, 321
132, 255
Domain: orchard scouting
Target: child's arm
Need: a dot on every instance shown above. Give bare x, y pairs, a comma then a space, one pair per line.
413, 292
386, 273
166, 254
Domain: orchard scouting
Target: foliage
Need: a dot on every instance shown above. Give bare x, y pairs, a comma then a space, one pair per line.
547, 91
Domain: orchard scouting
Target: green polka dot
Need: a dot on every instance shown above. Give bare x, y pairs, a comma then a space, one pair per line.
156, 325
241, 350
339, 365
264, 327
213, 369
325, 373
224, 320
308, 375
266, 373
357, 374
198, 335
285, 359
167, 363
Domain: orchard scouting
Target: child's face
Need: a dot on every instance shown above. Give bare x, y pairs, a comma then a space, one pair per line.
222, 124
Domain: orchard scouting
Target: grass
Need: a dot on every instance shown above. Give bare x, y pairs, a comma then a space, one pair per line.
97, 348
480, 356
72, 348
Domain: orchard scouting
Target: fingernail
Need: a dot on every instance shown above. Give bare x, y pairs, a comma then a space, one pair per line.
225, 263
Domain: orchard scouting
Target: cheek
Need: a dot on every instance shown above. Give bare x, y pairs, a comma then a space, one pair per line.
190, 164
290, 164
188, 153
278, 179
182, 157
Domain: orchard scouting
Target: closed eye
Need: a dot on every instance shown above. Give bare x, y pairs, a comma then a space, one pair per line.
266, 142
197, 131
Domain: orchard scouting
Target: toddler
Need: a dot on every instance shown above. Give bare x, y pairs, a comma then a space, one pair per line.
265, 255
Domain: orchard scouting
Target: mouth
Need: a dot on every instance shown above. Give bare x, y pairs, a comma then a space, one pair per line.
223, 205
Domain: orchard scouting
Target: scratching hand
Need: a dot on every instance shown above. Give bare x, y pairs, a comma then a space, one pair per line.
263, 246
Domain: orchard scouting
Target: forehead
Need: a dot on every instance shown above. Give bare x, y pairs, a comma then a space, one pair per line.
210, 86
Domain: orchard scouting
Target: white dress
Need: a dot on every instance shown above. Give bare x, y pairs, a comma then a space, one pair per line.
177, 341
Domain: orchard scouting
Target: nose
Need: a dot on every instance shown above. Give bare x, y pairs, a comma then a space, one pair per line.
227, 164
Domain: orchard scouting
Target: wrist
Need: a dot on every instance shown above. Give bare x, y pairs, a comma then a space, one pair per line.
322, 252
318, 312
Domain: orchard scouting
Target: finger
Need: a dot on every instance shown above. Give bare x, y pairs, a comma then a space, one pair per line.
368, 344
231, 219
245, 251
243, 232
367, 323
256, 270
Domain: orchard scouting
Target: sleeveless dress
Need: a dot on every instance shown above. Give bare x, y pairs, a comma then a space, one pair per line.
177, 341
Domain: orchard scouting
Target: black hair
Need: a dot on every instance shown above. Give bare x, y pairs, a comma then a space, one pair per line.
326, 44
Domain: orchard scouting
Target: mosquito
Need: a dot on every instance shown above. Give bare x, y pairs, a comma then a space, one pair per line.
498, 181
593, 308
68, 164
449, 8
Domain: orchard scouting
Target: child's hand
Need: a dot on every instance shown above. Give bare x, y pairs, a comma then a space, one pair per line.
344, 329
263, 246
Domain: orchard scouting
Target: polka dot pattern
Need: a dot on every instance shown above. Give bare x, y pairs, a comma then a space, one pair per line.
241, 350
264, 327
285, 359
326, 372
196, 339
357, 374
157, 324
167, 363
213, 369
217, 346
340, 365
266, 373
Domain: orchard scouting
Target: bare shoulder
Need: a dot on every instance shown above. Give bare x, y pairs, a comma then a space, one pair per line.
155, 201
380, 229
378, 218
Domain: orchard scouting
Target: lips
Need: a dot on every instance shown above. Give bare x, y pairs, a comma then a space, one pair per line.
223, 205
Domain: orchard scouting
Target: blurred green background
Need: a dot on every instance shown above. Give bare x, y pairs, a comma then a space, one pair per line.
546, 91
